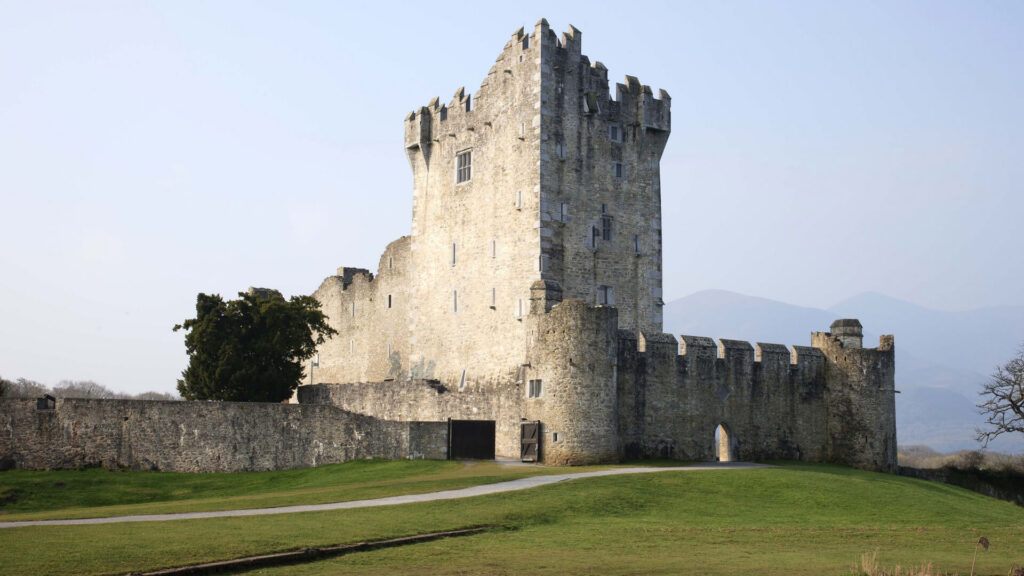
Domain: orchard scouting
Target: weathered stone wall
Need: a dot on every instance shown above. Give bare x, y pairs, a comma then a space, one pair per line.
675, 396
203, 436
861, 399
582, 194
430, 400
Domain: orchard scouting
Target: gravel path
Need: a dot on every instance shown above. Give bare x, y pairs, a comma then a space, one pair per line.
484, 489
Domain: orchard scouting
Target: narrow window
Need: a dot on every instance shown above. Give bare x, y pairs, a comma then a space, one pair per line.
534, 390
464, 166
494, 297
389, 351
618, 170
605, 296
606, 228
453, 253
391, 262
351, 346
560, 149
542, 262
455, 301
563, 212
595, 234
462, 379
353, 309
522, 130
636, 244
554, 436
519, 308
614, 134
494, 248
389, 300
519, 199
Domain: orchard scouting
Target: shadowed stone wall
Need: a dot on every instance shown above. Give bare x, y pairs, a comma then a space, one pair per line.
203, 436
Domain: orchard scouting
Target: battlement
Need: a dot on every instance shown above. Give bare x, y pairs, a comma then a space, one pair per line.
702, 347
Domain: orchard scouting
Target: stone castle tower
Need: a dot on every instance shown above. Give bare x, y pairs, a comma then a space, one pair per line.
530, 288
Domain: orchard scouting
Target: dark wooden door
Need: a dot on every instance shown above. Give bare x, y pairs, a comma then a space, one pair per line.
471, 439
530, 451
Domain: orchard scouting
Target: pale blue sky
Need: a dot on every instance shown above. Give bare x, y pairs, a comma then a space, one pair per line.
150, 151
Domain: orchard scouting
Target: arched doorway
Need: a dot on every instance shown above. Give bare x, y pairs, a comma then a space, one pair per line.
723, 444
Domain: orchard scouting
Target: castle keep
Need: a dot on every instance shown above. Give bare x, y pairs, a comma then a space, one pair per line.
526, 304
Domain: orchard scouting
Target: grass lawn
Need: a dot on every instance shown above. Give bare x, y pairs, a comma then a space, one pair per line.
796, 519
94, 493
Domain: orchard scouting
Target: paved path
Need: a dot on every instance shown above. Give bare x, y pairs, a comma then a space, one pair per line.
512, 485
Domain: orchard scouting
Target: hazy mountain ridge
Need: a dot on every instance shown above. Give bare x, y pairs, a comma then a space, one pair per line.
941, 357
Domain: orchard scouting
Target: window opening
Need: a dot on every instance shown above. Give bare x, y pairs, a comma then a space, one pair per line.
453, 253
494, 248
595, 233
519, 199
389, 300
614, 134
462, 379
353, 309
469, 103
618, 170
519, 308
636, 243
563, 212
606, 228
605, 295
351, 346
494, 297
455, 301
534, 390
464, 166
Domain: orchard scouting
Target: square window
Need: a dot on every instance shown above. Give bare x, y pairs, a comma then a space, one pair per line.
535, 389
463, 166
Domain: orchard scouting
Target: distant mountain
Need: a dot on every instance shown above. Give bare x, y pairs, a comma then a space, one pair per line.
941, 357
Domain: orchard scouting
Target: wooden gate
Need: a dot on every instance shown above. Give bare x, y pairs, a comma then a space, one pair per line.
471, 439
530, 447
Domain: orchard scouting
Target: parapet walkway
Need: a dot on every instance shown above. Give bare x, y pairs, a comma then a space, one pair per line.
482, 490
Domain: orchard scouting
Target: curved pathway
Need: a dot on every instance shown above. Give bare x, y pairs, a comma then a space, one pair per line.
481, 490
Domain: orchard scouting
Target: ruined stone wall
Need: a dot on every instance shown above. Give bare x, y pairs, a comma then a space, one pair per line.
203, 436
600, 169
371, 314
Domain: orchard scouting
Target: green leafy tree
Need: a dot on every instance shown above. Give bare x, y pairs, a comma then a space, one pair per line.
250, 349
1003, 396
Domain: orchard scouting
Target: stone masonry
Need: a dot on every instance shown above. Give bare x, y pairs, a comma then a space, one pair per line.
530, 289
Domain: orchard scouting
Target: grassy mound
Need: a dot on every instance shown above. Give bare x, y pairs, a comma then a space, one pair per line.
790, 520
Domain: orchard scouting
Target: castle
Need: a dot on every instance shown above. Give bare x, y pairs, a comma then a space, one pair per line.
525, 307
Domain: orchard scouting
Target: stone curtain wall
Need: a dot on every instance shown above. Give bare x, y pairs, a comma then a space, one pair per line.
430, 400
203, 436
673, 396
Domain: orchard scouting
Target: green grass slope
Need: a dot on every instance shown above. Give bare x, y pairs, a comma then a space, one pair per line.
788, 520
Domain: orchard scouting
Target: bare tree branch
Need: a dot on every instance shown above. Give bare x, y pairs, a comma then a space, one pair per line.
1003, 400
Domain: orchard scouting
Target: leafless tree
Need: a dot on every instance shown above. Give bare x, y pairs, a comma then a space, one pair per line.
83, 389
1003, 400
25, 388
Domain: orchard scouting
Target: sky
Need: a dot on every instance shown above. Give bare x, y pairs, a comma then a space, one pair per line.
151, 151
